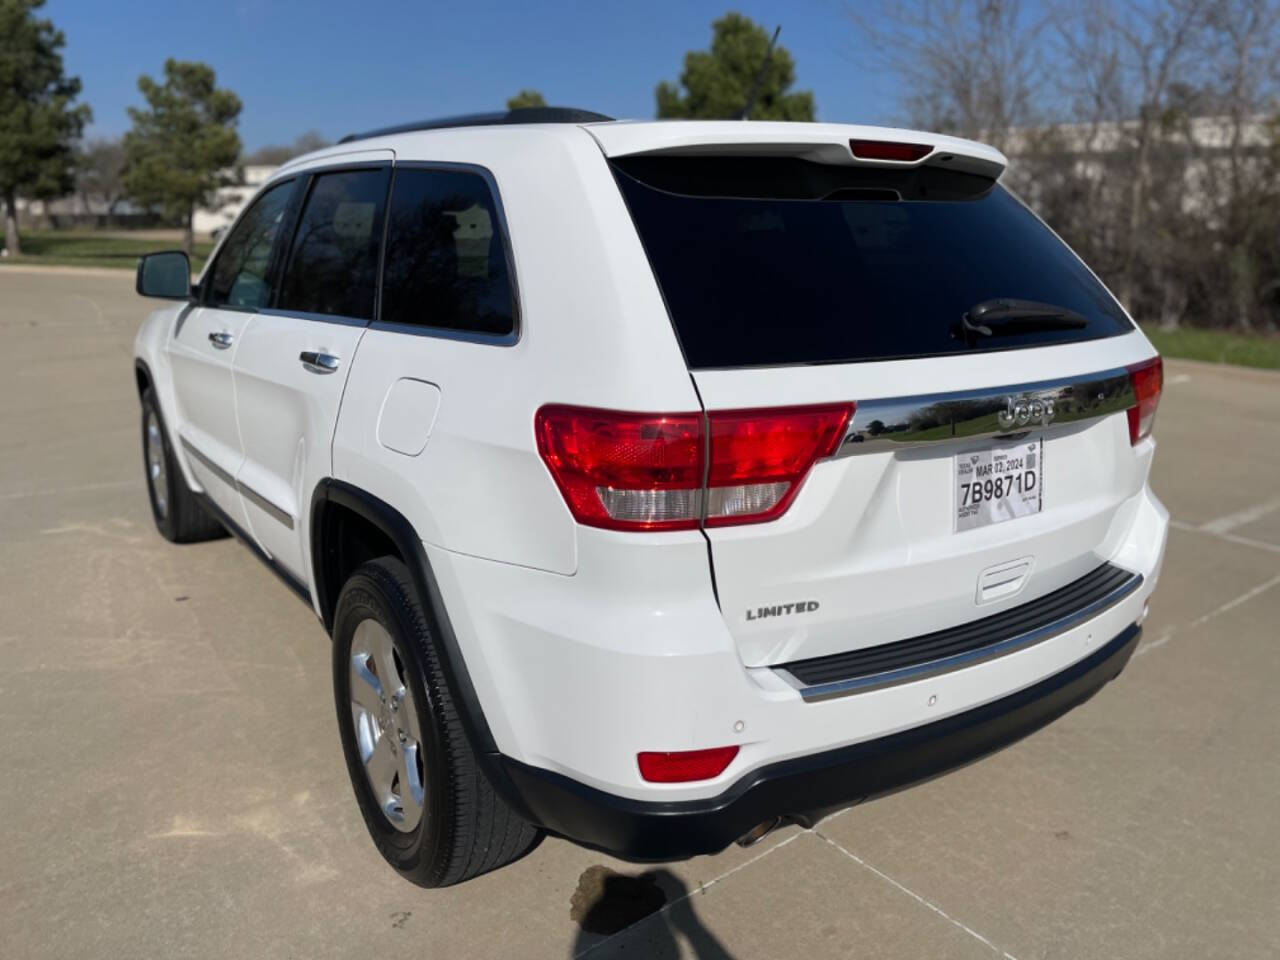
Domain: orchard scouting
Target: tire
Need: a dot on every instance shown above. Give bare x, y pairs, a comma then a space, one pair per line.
179, 515
434, 817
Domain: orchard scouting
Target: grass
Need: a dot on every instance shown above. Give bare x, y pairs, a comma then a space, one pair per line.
95, 248
1218, 346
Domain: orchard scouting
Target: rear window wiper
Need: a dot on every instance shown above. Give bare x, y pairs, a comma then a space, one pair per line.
991, 318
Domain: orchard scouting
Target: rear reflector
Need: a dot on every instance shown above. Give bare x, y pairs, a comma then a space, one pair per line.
685, 765
886, 150
1148, 381
628, 471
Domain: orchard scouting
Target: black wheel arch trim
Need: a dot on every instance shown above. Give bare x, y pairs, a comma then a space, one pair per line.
402, 534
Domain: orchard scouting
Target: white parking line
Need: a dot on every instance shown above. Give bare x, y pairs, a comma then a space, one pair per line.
1241, 517
702, 888
1177, 379
919, 899
1229, 537
1205, 618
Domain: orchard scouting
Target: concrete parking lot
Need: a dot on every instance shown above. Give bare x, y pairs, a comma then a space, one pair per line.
171, 782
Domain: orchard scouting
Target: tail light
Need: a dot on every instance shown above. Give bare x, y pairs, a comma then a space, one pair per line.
627, 471
1148, 380
685, 765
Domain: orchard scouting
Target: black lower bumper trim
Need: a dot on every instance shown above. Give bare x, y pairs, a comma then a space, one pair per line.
806, 788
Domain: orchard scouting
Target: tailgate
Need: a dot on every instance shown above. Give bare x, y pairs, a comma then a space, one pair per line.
874, 548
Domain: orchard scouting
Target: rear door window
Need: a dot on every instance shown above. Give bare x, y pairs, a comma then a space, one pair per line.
446, 265
767, 261
332, 267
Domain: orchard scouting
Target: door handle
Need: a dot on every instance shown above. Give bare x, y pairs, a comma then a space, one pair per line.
221, 340
319, 362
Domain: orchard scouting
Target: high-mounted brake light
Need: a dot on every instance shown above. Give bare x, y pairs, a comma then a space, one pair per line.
630, 471
887, 150
685, 765
1148, 380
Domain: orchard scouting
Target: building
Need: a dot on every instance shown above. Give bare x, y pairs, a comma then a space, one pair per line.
229, 201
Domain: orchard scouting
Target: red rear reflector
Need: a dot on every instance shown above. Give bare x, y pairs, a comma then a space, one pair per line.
1148, 380
760, 457
885, 150
685, 765
637, 471
625, 471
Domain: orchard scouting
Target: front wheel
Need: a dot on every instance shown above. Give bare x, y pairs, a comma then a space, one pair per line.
427, 805
178, 513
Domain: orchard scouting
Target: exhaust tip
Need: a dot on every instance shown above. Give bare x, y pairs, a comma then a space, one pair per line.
758, 832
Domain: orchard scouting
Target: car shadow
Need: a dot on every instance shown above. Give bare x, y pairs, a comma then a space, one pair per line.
607, 903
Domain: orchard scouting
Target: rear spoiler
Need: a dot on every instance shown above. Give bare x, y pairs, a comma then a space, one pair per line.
816, 142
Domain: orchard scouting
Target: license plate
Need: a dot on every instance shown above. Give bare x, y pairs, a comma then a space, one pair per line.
998, 483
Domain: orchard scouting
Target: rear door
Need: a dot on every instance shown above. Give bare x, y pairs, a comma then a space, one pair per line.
207, 338
979, 470
292, 364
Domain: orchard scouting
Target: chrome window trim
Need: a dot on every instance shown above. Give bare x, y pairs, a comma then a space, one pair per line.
901, 423
276, 513
922, 671
452, 333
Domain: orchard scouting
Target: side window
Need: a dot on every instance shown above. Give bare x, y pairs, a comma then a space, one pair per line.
239, 276
445, 262
333, 265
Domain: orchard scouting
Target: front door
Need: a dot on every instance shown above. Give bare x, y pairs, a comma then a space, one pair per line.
205, 343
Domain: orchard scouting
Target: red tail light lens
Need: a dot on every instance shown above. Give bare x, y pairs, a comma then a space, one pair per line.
685, 765
630, 471
1148, 380
625, 471
885, 150
760, 457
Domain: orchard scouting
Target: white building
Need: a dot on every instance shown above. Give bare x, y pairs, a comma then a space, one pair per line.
229, 201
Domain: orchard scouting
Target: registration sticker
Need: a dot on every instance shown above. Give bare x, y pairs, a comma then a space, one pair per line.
999, 482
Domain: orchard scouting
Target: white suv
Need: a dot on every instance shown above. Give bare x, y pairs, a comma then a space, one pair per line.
660, 482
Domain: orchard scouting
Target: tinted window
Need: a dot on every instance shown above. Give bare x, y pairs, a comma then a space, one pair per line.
333, 263
239, 276
767, 261
446, 263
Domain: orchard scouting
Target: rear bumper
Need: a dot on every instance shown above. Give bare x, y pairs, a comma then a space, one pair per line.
805, 788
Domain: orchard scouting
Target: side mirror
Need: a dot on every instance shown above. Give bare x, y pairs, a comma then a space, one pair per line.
166, 275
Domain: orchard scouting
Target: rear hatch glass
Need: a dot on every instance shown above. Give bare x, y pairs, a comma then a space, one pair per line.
766, 261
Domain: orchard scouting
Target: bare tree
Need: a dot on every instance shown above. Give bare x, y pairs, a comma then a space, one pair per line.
969, 67
100, 174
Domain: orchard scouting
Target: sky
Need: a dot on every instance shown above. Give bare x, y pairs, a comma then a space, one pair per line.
337, 67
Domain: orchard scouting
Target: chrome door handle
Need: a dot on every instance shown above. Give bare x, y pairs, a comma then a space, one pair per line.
319, 362
221, 340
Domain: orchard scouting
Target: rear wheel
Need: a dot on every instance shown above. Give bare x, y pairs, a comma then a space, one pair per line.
177, 511
427, 805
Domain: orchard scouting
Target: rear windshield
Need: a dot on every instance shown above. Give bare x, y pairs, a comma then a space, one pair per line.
767, 261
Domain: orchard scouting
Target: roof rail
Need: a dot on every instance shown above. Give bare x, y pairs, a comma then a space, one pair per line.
519, 115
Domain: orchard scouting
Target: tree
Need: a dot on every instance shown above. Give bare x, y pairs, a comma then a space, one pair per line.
277, 154
967, 67
717, 84
38, 122
100, 174
182, 147
526, 98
